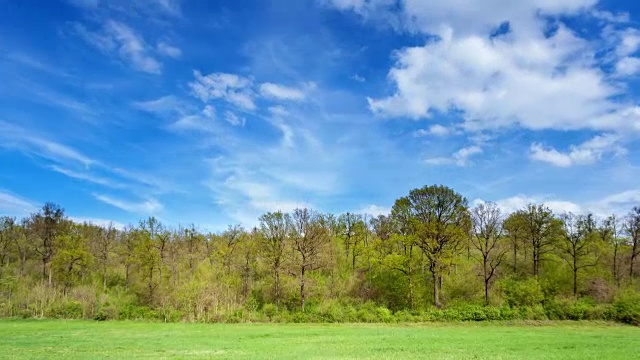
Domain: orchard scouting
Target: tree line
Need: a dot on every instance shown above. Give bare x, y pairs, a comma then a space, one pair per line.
434, 250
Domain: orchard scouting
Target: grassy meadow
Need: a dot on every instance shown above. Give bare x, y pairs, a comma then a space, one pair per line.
81, 339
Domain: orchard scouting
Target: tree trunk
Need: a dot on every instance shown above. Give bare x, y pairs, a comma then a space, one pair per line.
575, 274
575, 283
633, 257
615, 265
515, 256
276, 285
126, 277
104, 278
302, 288
486, 281
535, 262
436, 294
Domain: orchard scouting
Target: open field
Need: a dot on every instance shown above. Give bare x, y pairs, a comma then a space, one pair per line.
51, 339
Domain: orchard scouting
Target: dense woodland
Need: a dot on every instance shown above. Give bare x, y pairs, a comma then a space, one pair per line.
434, 257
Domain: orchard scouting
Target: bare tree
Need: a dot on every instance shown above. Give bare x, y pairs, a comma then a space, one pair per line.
310, 236
487, 239
632, 228
610, 232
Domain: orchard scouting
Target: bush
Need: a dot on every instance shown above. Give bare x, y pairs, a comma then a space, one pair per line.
269, 310
627, 308
519, 293
66, 310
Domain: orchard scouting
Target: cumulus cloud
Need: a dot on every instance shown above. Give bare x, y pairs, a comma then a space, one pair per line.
588, 152
435, 130
617, 203
374, 210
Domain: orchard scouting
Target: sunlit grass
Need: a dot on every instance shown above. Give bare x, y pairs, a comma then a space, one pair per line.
50, 339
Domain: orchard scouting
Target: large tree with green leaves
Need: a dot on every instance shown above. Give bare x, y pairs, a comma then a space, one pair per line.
541, 229
577, 244
439, 224
275, 229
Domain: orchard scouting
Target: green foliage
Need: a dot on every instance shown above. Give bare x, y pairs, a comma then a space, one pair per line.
356, 269
627, 308
518, 293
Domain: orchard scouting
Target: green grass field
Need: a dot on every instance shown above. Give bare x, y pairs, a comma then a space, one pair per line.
50, 339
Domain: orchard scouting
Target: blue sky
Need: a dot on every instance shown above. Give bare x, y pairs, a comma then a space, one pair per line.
214, 112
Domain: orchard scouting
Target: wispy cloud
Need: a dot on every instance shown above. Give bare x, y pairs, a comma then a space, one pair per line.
13, 205
87, 177
121, 40
15, 137
232, 88
202, 121
162, 105
168, 50
146, 207
281, 92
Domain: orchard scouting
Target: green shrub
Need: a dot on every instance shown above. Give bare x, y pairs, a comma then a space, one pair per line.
270, 310
519, 293
627, 308
66, 310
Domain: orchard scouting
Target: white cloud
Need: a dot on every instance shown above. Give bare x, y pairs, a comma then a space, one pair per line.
122, 40
435, 130
618, 203
12, 205
168, 50
203, 121
86, 177
374, 210
146, 207
278, 111
459, 158
466, 16
15, 137
229, 87
526, 76
358, 78
161, 105
281, 92
610, 17
588, 152
98, 222
234, 119
628, 66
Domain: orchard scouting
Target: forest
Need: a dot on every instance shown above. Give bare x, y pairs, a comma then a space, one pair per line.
435, 257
